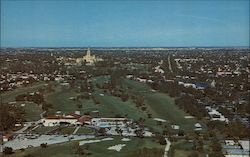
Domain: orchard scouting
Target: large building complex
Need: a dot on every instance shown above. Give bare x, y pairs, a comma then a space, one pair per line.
88, 59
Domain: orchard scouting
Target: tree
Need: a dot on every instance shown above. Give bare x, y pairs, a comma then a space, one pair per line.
198, 145
10, 115
216, 146
79, 106
44, 145
8, 150
139, 132
102, 131
193, 154
28, 155
162, 140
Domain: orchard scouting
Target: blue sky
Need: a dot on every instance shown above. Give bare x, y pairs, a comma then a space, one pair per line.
124, 23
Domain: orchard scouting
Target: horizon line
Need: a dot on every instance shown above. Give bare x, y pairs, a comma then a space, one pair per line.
124, 47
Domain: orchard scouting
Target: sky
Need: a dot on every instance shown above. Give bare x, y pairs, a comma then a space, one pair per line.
142, 23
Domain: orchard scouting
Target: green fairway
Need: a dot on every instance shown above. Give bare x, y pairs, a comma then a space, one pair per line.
61, 100
101, 80
32, 111
136, 86
56, 150
68, 149
163, 107
10, 95
111, 106
160, 105
183, 148
98, 149
85, 130
66, 130
44, 130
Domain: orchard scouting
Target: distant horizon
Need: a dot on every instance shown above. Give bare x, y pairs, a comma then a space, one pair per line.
91, 47
125, 23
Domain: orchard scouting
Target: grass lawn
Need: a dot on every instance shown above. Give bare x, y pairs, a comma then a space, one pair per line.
66, 130
44, 130
85, 130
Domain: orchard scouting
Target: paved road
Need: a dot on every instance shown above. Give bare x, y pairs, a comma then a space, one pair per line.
21, 141
28, 124
167, 147
41, 115
75, 131
169, 64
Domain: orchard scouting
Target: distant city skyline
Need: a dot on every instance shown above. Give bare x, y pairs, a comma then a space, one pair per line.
124, 23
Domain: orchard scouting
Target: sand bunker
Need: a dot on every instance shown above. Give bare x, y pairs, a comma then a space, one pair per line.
160, 120
117, 147
126, 139
94, 141
188, 117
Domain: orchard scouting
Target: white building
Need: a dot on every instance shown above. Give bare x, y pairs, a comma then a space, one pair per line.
110, 122
233, 148
88, 58
216, 115
57, 120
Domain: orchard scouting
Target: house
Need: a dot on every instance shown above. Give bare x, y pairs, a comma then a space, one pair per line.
198, 127
7, 137
216, 115
85, 119
201, 85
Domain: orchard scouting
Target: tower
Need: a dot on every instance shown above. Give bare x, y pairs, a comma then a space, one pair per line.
88, 52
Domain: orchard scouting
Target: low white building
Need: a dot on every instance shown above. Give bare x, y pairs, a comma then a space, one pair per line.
57, 120
238, 148
110, 122
216, 115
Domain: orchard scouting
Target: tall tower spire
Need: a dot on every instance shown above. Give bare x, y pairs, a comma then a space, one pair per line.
88, 52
